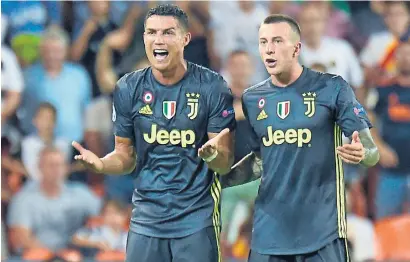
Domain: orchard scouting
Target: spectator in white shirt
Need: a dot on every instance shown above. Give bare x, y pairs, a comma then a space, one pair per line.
335, 56
44, 121
12, 85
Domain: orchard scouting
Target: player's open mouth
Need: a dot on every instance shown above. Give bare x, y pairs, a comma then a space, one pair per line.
270, 62
160, 54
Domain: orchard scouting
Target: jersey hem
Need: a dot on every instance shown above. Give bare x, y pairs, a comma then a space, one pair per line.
295, 251
141, 230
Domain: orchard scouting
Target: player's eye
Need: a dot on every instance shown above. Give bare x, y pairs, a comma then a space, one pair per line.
169, 33
278, 41
150, 33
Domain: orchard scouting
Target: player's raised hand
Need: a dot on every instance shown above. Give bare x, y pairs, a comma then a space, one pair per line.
87, 158
354, 152
209, 150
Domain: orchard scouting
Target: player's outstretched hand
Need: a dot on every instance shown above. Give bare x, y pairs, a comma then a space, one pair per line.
354, 152
209, 150
87, 158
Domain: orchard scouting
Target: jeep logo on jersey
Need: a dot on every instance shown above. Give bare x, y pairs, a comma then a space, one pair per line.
291, 136
169, 109
283, 109
193, 104
175, 137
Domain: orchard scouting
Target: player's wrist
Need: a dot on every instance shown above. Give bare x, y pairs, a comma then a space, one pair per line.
211, 157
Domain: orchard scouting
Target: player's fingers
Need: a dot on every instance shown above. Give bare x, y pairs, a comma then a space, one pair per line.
355, 146
351, 152
349, 157
77, 146
347, 161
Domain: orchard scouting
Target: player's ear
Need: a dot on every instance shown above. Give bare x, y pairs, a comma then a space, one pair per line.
187, 38
297, 49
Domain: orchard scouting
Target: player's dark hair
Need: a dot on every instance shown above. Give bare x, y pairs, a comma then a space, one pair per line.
169, 10
279, 18
47, 105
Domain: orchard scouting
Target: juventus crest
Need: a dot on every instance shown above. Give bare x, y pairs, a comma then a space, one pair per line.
309, 100
193, 101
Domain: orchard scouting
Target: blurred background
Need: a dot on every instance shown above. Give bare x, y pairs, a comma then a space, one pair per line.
61, 60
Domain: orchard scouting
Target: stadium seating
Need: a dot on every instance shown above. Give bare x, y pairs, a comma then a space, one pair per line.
393, 238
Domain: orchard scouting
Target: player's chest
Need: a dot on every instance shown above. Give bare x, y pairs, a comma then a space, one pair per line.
289, 112
173, 109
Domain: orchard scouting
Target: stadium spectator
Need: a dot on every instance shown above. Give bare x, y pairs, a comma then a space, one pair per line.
247, 22
31, 146
28, 20
46, 214
377, 56
108, 236
65, 85
235, 205
199, 50
391, 118
87, 42
369, 19
127, 41
12, 85
81, 12
319, 49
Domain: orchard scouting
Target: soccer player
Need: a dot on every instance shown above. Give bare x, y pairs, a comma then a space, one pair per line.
297, 118
172, 125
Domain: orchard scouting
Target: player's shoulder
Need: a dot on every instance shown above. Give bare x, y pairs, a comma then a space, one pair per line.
256, 88
130, 81
133, 77
204, 75
328, 80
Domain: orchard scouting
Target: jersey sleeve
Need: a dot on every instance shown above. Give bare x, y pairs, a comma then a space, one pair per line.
253, 141
121, 111
350, 114
222, 114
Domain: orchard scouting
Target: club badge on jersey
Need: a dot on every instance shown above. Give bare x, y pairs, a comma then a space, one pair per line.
309, 100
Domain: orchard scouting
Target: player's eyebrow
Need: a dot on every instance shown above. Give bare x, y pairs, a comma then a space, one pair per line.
155, 30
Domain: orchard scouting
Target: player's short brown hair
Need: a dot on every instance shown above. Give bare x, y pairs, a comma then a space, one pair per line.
280, 18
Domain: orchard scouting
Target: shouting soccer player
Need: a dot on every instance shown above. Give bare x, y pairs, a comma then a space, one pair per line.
172, 125
297, 118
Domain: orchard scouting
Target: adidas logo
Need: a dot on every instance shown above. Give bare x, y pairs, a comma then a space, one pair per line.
262, 115
145, 110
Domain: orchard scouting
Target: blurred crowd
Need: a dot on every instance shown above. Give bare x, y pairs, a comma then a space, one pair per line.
59, 65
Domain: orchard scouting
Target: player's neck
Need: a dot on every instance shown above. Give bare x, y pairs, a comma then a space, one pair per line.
286, 78
171, 76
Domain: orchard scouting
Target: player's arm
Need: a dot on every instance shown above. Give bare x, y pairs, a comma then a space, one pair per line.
218, 152
353, 119
123, 159
240, 171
